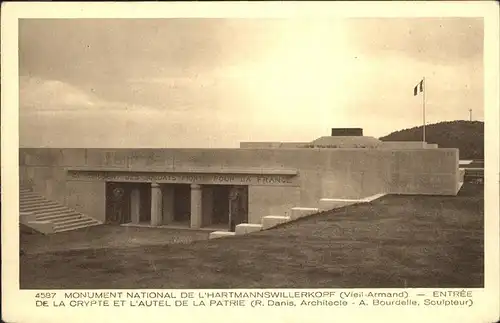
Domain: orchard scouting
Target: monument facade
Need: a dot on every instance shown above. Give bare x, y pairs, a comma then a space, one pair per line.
203, 188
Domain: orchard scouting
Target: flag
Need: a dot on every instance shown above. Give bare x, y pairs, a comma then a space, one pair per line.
418, 88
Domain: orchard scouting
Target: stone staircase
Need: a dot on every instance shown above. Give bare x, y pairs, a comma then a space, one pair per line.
271, 221
48, 216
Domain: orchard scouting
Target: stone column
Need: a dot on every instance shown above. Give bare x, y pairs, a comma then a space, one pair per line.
135, 205
156, 207
196, 210
234, 199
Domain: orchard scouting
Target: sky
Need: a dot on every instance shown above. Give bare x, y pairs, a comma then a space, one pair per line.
215, 82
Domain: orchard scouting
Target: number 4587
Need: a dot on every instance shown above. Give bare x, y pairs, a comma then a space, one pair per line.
45, 295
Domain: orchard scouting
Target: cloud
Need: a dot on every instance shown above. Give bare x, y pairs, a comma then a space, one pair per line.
38, 95
49, 95
58, 114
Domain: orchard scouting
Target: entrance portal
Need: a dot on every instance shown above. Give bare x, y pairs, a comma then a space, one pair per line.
121, 199
220, 208
117, 203
182, 204
225, 206
144, 201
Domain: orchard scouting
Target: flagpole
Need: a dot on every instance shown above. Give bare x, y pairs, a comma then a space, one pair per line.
423, 105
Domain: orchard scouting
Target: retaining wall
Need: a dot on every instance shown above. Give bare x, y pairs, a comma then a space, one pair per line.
321, 173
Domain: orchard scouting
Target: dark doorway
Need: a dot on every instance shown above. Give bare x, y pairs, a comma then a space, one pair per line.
117, 202
145, 206
229, 205
182, 203
238, 205
220, 211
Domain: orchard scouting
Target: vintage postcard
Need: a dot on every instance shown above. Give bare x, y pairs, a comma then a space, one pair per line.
291, 162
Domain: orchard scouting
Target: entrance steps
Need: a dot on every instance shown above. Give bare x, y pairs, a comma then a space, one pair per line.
300, 212
270, 221
240, 229
331, 204
273, 220
48, 217
246, 228
220, 234
328, 204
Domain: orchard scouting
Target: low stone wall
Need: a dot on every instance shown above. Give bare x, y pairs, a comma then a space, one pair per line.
271, 221
29, 220
424, 171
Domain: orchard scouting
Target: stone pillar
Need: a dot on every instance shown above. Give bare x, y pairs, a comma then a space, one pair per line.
196, 210
234, 214
135, 205
156, 207
168, 204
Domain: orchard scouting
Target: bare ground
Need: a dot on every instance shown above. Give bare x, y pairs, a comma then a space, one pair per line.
394, 242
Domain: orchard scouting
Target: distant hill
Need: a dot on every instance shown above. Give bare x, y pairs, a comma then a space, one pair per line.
467, 136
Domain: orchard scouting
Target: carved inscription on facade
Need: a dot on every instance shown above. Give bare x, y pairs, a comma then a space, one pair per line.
221, 179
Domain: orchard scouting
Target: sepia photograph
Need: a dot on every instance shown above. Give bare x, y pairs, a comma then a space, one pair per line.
222, 153
291, 161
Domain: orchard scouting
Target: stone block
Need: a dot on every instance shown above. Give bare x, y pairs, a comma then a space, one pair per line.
273, 220
29, 220
330, 204
326, 204
347, 131
373, 197
45, 227
220, 234
246, 228
300, 212
461, 175
25, 217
